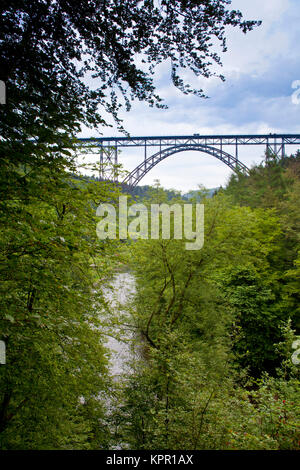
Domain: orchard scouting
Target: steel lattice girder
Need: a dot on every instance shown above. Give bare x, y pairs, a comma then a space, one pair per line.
264, 139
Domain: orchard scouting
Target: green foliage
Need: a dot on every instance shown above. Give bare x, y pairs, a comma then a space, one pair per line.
51, 316
275, 184
258, 315
47, 49
177, 400
212, 320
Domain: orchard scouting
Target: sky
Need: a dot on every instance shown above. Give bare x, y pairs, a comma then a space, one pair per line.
256, 98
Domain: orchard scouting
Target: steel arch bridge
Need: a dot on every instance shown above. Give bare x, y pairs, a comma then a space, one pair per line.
140, 171
107, 148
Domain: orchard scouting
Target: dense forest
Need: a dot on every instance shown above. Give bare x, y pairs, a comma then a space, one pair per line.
216, 325
219, 323
214, 328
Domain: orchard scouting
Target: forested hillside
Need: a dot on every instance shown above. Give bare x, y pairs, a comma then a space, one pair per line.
219, 323
216, 325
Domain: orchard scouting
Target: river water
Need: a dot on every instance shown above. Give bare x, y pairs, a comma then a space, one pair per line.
120, 337
120, 341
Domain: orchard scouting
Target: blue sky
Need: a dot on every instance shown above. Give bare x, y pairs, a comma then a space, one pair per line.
255, 98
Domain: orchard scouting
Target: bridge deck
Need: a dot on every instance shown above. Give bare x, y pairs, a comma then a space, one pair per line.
139, 141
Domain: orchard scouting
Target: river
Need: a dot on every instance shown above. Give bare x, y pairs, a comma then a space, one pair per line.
120, 339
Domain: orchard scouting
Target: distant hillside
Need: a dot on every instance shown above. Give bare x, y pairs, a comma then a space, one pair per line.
143, 191
197, 193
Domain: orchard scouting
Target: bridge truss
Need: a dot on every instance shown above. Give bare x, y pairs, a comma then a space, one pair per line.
157, 148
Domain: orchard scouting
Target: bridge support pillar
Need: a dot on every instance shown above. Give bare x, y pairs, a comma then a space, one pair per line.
108, 163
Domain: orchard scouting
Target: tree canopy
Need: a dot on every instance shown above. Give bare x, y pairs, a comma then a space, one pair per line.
48, 49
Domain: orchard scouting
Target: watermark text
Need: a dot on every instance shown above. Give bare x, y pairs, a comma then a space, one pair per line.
160, 221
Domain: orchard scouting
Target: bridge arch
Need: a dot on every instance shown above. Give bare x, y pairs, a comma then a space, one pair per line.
143, 168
